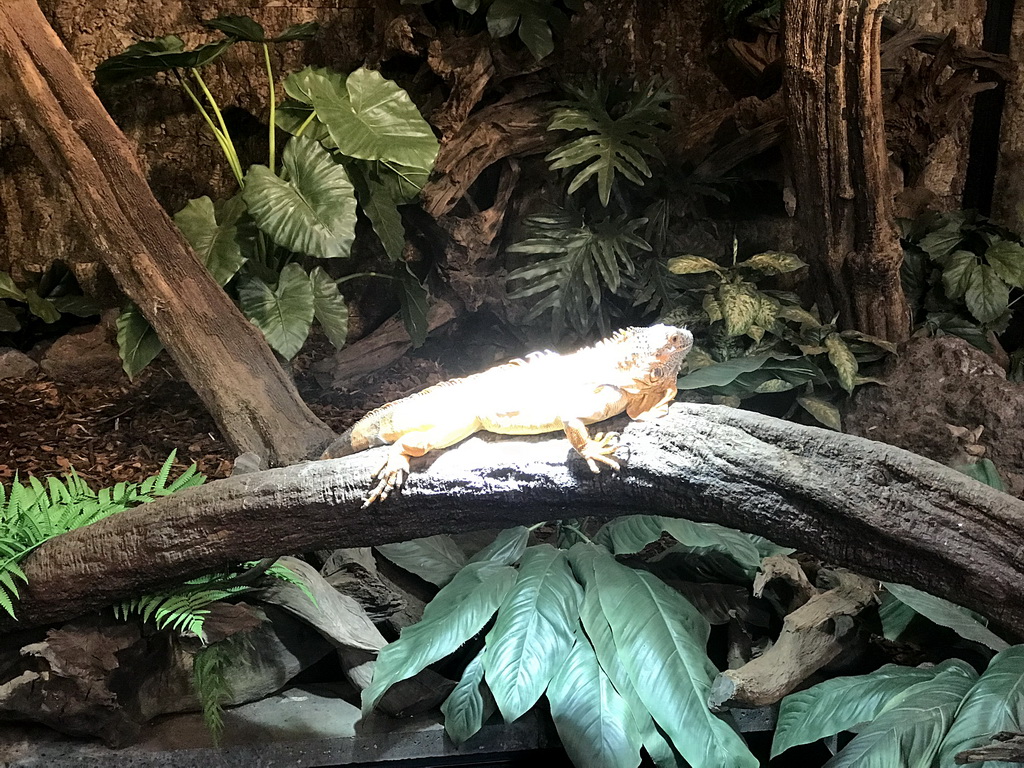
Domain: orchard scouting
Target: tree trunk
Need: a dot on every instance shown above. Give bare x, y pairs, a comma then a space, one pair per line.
833, 88
879, 510
222, 355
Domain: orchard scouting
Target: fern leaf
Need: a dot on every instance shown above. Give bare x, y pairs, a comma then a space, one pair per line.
7, 604
287, 575
211, 686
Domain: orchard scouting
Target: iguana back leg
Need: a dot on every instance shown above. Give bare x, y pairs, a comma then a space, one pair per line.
598, 448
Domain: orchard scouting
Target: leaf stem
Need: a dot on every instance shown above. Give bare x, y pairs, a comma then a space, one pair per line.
305, 124
221, 138
236, 165
354, 275
273, 104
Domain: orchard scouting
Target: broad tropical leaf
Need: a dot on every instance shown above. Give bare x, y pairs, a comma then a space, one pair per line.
284, 313
661, 640
823, 411
994, 704
465, 709
841, 704
721, 374
137, 342
984, 471
152, 56
773, 263
534, 19
329, 307
740, 303
593, 721
434, 558
987, 296
42, 308
958, 272
375, 198
611, 145
507, 547
534, 631
692, 265
372, 119
215, 239
947, 614
314, 211
908, 733
942, 242
457, 612
1007, 259
412, 297
8, 290
842, 360
573, 265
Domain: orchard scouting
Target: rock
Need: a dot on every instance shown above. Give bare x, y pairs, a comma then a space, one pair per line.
939, 392
15, 364
84, 356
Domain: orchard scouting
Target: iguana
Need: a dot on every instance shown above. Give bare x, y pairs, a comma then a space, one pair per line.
634, 371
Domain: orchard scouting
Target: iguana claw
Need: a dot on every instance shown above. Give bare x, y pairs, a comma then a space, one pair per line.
600, 448
391, 477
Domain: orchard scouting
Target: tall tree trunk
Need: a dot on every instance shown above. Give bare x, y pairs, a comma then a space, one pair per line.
833, 88
222, 356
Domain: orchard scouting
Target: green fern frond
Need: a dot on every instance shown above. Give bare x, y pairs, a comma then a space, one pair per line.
574, 265
209, 678
287, 575
32, 513
618, 137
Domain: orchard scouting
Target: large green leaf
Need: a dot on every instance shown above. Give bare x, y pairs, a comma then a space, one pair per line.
293, 115
692, 265
1007, 259
375, 198
593, 721
534, 631
8, 290
987, 296
842, 360
720, 374
599, 632
628, 535
984, 471
895, 616
947, 614
908, 733
283, 313
329, 307
457, 612
465, 709
534, 19
661, 639
216, 242
841, 704
372, 118
773, 262
434, 558
994, 704
159, 55
942, 242
314, 211
956, 275
137, 342
507, 547
244, 28
412, 297
42, 308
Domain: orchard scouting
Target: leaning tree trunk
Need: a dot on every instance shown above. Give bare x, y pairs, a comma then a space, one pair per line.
222, 356
839, 164
879, 510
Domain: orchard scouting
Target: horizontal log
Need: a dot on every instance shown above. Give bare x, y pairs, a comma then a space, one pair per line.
878, 510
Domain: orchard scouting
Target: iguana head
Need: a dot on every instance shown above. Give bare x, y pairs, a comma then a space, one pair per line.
655, 352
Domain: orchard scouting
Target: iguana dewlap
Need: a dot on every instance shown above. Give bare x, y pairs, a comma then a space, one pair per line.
634, 371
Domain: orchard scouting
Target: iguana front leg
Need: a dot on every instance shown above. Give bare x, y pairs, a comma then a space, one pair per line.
598, 448
411, 445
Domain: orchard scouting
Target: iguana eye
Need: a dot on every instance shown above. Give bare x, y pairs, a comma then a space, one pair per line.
658, 373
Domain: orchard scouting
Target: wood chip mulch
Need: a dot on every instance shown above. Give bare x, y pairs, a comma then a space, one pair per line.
123, 431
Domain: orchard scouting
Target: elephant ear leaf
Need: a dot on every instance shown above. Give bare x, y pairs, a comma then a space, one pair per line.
314, 211
284, 313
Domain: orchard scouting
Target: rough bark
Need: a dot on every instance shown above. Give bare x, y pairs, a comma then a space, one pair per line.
839, 164
222, 355
875, 509
1008, 200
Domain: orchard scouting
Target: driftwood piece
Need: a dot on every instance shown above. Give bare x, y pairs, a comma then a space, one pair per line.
813, 635
876, 509
1006, 747
779, 568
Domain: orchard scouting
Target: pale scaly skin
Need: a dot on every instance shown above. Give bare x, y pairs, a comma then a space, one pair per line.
634, 371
